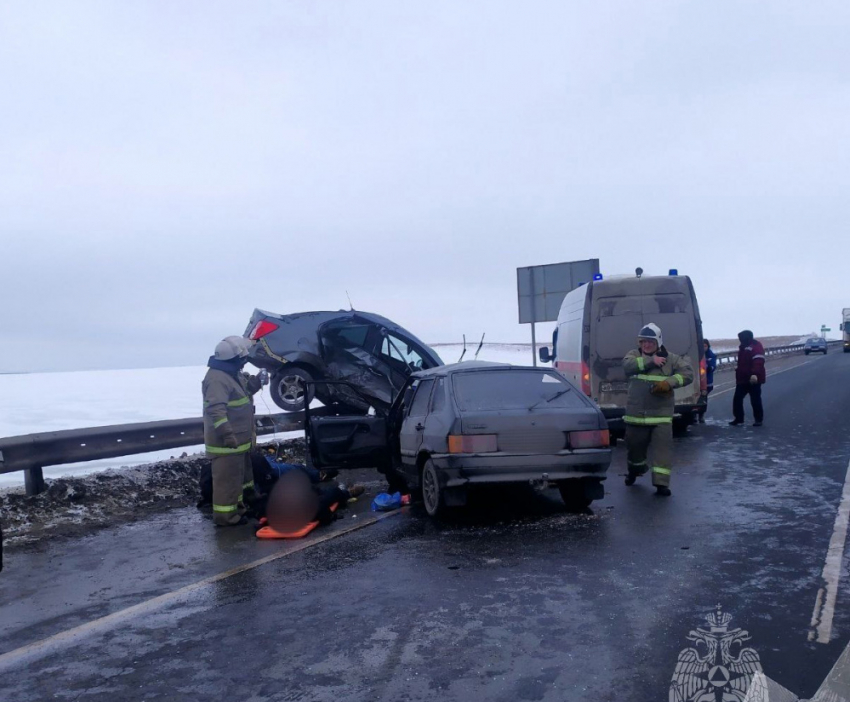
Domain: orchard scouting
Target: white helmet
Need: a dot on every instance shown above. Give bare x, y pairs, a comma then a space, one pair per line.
232, 347
652, 332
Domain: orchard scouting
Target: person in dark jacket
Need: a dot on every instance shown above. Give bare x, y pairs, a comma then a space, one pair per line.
710, 366
749, 377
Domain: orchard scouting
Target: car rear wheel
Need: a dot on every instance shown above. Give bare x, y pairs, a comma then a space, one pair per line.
432, 494
578, 494
290, 390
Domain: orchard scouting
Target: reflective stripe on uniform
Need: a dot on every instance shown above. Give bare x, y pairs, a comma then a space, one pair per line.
238, 403
219, 422
248, 486
758, 356
647, 420
662, 471
652, 378
680, 379
224, 451
636, 465
225, 508
641, 364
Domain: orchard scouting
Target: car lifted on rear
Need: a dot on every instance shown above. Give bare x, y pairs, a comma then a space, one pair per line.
456, 427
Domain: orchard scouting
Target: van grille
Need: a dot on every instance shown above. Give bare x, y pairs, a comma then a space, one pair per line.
532, 440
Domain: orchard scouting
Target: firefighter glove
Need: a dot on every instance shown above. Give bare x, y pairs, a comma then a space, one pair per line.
754, 379
230, 440
662, 388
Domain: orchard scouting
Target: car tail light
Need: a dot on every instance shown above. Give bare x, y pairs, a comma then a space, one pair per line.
589, 439
585, 379
262, 328
473, 443
703, 382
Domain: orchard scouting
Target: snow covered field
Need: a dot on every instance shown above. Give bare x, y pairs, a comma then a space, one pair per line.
55, 401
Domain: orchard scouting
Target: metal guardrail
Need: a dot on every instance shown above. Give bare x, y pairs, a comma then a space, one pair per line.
32, 452
729, 359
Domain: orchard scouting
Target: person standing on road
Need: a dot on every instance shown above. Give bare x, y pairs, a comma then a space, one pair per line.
710, 366
229, 427
749, 377
653, 373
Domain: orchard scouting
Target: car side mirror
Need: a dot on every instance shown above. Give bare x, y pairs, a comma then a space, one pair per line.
543, 352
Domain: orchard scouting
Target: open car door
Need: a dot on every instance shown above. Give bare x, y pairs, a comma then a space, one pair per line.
348, 441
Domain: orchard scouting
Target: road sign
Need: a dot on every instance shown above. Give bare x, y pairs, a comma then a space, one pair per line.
825, 329
541, 289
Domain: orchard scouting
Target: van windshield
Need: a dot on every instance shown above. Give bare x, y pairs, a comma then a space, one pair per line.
619, 319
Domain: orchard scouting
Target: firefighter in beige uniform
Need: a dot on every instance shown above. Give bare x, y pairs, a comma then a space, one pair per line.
653, 373
229, 427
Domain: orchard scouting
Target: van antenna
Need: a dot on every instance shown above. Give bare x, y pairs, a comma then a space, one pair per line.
464, 349
349, 300
480, 344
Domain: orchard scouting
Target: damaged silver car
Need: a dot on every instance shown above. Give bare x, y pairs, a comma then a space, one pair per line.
371, 353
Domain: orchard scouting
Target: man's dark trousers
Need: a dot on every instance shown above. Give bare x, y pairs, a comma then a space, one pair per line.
754, 391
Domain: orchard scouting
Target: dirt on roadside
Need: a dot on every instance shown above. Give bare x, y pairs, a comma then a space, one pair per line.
75, 506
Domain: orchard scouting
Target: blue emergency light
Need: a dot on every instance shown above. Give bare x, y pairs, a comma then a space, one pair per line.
674, 271
597, 276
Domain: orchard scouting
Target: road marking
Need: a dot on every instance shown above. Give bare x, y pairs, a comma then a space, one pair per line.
39, 649
769, 375
821, 626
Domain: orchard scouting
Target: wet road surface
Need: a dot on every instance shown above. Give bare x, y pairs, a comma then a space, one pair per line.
510, 599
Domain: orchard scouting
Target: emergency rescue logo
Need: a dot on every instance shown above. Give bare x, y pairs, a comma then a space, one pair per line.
718, 668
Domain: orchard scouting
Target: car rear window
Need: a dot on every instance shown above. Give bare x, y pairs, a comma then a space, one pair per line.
520, 389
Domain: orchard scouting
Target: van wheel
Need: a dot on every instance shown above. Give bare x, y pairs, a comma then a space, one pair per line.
432, 494
680, 426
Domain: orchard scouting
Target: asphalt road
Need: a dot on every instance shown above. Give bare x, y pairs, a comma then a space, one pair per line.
510, 599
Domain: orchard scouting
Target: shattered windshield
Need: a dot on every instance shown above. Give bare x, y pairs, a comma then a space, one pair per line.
396, 349
520, 389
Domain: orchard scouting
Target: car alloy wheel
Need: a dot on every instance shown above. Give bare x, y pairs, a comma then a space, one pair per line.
292, 388
432, 496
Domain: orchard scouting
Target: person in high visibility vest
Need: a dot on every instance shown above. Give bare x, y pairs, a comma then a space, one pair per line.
653, 374
229, 427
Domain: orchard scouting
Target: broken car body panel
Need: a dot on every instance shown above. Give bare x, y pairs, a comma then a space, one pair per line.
372, 353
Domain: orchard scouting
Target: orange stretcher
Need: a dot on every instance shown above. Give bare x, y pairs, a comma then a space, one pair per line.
266, 532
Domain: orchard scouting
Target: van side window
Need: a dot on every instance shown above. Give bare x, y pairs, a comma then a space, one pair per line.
419, 408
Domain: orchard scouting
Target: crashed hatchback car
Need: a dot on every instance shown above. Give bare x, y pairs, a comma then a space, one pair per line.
373, 354
454, 427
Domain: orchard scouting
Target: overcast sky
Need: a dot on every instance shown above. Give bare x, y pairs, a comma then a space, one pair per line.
166, 167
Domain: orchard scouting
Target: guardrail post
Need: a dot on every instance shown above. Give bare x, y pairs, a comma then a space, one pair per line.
34, 480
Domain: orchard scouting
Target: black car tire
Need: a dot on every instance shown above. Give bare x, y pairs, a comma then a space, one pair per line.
289, 388
806, 352
432, 494
574, 495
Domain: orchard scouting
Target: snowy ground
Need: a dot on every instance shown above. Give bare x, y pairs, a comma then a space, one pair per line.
55, 401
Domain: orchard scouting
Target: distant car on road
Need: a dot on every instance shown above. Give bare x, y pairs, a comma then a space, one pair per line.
467, 424
815, 344
374, 354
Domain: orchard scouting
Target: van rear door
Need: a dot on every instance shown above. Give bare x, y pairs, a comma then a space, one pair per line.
617, 320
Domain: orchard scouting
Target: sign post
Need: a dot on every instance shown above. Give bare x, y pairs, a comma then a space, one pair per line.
541, 290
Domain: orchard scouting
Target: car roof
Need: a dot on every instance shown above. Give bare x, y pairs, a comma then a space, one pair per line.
472, 366
322, 317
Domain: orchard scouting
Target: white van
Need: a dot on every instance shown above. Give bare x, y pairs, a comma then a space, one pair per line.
599, 323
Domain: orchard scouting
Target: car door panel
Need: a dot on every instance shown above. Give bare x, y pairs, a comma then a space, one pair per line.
348, 442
